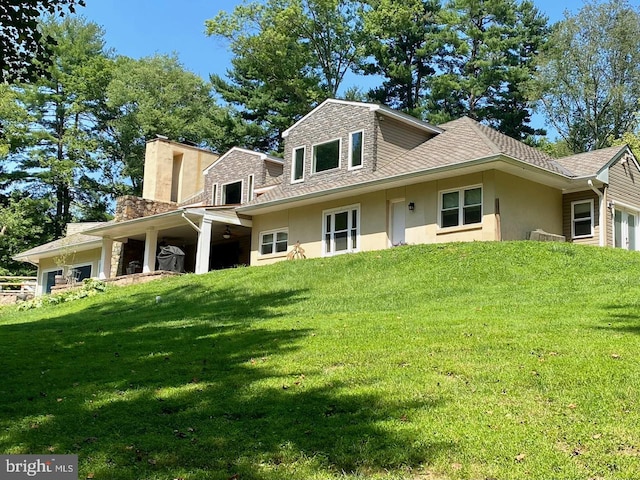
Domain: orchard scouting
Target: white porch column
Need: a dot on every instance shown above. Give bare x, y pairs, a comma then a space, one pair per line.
204, 246
150, 246
105, 258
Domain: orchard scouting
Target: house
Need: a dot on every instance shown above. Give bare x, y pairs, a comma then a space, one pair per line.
356, 177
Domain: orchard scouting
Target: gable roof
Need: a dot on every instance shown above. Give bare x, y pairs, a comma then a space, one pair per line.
374, 107
464, 140
263, 156
77, 242
591, 163
462, 143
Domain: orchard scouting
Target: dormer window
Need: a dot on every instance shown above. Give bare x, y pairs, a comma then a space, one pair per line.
326, 156
232, 193
297, 169
355, 150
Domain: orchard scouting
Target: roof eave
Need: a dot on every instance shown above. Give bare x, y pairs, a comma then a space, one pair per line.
559, 181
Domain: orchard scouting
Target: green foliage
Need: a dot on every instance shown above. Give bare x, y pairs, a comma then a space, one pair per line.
54, 135
23, 225
452, 361
25, 51
630, 139
487, 63
90, 287
288, 56
589, 81
152, 96
402, 41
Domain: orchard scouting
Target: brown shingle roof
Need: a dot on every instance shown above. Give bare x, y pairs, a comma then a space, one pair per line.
590, 163
73, 242
462, 141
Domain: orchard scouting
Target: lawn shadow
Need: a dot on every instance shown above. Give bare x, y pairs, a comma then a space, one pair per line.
193, 389
622, 318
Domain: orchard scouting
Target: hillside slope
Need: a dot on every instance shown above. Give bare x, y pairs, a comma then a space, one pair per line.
482, 360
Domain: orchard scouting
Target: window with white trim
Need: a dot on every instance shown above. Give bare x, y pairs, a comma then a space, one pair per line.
582, 219
250, 189
326, 156
276, 241
461, 207
214, 194
356, 150
297, 166
341, 229
232, 193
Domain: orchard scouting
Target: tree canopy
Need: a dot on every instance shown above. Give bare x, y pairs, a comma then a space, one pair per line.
25, 49
589, 80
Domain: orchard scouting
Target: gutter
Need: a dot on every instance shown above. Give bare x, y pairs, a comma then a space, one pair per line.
249, 208
601, 215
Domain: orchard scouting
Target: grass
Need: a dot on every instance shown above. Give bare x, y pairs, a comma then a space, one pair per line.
456, 361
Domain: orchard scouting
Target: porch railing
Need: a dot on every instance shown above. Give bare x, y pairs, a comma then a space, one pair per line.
14, 285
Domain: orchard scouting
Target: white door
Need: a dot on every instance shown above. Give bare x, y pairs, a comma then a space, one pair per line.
397, 222
625, 224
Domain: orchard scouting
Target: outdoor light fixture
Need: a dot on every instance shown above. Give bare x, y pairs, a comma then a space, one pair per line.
227, 233
412, 206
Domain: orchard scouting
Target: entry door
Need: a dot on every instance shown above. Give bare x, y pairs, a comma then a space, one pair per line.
397, 222
625, 225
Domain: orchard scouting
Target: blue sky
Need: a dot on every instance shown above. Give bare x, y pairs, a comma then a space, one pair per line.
140, 28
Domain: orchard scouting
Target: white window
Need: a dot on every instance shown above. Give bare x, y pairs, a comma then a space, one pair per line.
341, 230
276, 241
461, 207
250, 194
214, 194
232, 193
297, 167
356, 150
326, 156
582, 219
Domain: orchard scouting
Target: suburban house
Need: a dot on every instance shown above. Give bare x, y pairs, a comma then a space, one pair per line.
355, 177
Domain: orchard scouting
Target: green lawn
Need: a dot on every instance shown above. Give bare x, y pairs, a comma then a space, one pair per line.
457, 361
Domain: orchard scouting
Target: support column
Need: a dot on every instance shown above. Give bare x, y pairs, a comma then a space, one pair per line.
204, 246
150, 246
105, 259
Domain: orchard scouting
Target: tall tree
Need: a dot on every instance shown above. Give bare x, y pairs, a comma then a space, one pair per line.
25, 51
23, 225
154, 96
288, 56
58, 138
487, 63
590, 75
402, 41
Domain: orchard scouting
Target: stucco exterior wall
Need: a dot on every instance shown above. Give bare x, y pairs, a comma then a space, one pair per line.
86, 257
305, 224
170, 165
526, 206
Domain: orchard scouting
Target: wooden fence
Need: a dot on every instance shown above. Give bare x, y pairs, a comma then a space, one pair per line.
17, 285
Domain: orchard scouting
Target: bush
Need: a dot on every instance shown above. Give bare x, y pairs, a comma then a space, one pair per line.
89, 288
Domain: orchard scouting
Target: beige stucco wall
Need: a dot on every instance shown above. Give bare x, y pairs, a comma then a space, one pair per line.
85, 257
524, 206
159, 170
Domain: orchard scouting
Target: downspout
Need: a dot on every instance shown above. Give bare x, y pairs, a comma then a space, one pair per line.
601, 213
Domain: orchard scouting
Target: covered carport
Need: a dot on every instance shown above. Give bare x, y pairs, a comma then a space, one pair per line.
211, 237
